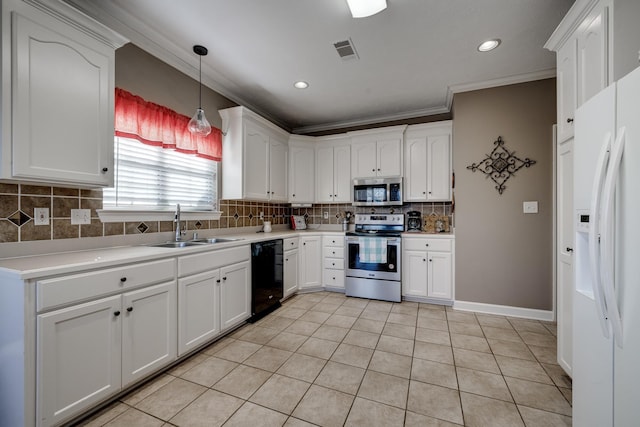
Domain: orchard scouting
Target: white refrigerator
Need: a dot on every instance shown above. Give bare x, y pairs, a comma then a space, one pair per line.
606, 314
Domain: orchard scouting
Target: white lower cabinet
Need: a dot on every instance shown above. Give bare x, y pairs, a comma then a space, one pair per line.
214, 291
427, 269
310, 260
89, 351
333, 262
291, 263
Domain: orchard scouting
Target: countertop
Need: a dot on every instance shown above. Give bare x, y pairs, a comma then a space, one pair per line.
37, 266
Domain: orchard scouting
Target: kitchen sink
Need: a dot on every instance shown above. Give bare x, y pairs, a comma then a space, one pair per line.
214, 240
176, 244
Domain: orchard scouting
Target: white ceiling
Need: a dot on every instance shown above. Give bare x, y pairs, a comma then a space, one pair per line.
413, 56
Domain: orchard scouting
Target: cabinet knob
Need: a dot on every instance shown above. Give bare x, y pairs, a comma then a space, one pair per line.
292, 243
129, 309
429, 192
333, 263
123, 279
286, 259
335, 195
424, 192
304, 244
105, 169
430, 260
116, 313
218, 281
378, 169
224, 278
272, 192
569, 249
569, 120
293, 195
373, 170
334, 278
424, 259
426, 244
333, 252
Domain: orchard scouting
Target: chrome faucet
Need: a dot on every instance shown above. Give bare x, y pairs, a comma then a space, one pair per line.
178, 225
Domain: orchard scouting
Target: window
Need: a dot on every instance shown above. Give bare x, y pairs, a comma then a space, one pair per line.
158, 162
153, 177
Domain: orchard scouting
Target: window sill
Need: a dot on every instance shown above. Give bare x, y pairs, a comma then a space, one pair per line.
133, 215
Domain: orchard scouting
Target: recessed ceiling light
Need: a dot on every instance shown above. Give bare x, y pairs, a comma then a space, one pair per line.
364, 8
489, 45
301, 85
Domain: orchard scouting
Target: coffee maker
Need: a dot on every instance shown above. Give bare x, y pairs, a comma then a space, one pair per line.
414, 221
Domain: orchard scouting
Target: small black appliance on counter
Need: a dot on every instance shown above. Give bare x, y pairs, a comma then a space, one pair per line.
414, 221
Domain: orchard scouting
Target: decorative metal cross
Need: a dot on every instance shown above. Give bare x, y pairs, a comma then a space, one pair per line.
500, 164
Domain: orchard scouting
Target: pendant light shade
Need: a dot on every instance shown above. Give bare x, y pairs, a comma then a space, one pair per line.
199, 125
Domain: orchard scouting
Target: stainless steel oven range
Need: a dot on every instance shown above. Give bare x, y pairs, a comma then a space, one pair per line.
372, 257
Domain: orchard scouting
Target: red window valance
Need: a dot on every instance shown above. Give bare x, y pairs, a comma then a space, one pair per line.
156, 125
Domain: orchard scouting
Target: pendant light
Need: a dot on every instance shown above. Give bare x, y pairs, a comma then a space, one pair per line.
199, 125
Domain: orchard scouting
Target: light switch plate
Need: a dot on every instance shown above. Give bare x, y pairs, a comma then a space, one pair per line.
41, 216
325, 215
530, 207
80, 216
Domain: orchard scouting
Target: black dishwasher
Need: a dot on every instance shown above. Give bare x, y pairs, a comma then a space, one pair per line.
266, 277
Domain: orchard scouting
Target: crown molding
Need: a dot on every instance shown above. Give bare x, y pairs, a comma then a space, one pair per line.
569, 24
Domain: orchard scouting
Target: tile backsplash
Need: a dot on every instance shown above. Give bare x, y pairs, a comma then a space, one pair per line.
18, 201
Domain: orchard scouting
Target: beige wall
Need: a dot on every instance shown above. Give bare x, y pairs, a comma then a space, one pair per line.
503, 256
145, 75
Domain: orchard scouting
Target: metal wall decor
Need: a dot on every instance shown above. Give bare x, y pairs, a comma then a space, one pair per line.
501, 164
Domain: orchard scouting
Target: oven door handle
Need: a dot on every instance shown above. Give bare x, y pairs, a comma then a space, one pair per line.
355, 239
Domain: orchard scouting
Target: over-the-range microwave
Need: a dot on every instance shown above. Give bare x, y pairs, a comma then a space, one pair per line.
377, 191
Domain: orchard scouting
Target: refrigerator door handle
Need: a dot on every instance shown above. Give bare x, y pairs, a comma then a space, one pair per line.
594, 234
608, 243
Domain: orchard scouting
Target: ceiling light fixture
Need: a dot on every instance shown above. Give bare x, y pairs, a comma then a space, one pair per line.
301, 85
488, 45
364, 8
199, 125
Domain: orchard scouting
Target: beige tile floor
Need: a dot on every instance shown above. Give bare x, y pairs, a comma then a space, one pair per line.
324, 359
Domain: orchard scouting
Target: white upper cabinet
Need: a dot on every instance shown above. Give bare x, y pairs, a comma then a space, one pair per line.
582, 43
56, 129
301, 169
566, 89
333, 170
428, 162
254, 164
377, 152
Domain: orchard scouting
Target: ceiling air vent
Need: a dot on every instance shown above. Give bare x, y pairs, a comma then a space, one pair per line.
346, 50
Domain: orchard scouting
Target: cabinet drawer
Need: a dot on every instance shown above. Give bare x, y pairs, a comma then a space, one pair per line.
443, 245
334, 263
337, 241
334, 278
85, 286
197, 263
333, 252
290, 243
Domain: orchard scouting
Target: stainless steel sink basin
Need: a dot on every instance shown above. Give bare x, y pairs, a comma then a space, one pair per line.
176, 244
214, 240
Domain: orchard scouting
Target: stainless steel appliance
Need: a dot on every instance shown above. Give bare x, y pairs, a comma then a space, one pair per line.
377, 192
266, 277
414, 221
373, 257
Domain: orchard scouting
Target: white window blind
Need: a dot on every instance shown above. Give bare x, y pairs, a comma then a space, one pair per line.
148, 177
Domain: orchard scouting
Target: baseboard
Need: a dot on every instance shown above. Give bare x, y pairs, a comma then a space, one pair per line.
427, 300
504, 310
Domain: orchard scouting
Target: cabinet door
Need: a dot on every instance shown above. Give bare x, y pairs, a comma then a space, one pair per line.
593, 54
149, 329
324, 175
235, 294
389, 157
256, 163
310, 259
278, 171
414, 271
566, 89
290, 272
364, 160
301, 175
564, 250
198, 310
342, 174
439, 168
440, 283
415, 184
62, 126
78, 358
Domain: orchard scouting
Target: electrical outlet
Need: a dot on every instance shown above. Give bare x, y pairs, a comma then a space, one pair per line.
80, 216
41, 216
530, 207
325, 215
261, 215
